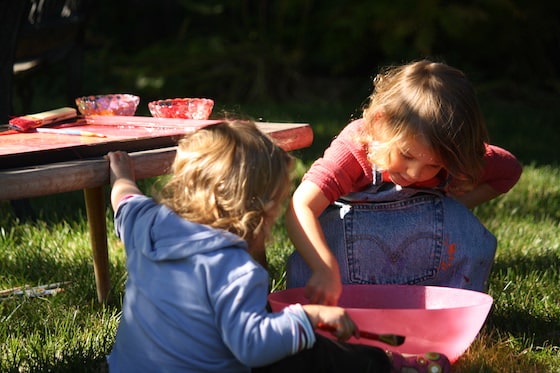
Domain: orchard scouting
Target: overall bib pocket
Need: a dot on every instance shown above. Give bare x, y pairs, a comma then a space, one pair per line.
397, 242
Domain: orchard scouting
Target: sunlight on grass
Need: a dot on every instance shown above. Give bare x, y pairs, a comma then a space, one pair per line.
71, 332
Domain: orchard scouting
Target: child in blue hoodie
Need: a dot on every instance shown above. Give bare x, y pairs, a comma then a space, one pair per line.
196, 300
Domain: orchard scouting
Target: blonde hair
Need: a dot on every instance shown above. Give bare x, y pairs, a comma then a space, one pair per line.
227, 176
432, 102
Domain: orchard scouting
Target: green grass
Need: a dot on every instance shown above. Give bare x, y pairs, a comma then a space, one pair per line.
71, 332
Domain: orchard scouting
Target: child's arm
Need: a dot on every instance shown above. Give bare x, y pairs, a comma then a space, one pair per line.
268, 337
122, 177
480, 194
501, 173
304, 229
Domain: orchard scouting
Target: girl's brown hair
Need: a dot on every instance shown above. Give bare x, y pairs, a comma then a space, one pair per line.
431, 102
227, 176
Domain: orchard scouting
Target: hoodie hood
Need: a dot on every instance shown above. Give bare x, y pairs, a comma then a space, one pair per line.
170, 237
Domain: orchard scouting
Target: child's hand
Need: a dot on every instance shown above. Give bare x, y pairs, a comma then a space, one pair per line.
121, 166
324, 287
121, 172
332, 318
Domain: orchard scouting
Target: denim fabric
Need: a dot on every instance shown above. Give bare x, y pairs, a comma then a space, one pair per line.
393, 235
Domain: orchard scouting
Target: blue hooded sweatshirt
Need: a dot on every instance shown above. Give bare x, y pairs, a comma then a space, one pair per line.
195, 299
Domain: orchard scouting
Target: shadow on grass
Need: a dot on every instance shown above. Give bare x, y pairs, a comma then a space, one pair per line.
511, 314
524, 266
52, 209
521, 325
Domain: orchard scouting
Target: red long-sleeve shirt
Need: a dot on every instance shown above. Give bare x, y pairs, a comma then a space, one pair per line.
344, 167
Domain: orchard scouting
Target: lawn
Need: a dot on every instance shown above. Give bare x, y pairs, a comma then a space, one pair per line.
71, 332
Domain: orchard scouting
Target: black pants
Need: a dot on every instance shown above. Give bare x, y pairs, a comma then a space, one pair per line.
328, 356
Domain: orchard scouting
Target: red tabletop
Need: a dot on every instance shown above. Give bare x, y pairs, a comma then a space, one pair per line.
130, 134
122, 133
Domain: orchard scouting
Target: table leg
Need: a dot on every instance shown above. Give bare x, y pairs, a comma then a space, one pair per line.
95, 207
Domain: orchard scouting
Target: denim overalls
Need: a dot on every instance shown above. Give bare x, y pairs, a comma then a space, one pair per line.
388, 234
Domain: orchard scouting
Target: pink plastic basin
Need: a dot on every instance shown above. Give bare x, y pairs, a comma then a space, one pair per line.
431, 318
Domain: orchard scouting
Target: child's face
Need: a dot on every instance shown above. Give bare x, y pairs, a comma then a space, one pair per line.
412, 163
257, 245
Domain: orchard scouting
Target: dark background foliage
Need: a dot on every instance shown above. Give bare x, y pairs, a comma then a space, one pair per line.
244, 50
314, 60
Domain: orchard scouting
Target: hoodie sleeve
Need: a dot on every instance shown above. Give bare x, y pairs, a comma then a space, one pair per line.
254, 336
135, 212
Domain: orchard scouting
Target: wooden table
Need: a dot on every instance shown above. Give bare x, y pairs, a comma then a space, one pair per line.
53, 169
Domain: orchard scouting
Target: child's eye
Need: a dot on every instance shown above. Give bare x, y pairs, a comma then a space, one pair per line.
406, 155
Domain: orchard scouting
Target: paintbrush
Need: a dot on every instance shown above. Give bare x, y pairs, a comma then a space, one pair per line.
390, 339
31, 121
31, 292
68, 131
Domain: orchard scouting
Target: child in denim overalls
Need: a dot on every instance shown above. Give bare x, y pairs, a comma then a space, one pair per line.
389, 201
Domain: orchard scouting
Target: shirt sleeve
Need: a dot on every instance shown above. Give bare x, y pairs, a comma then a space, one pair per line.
344, 167
502, 169
255, 336
132, 213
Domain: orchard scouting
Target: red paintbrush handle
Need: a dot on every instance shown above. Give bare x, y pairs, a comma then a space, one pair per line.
369, 335
331, 328
391, 339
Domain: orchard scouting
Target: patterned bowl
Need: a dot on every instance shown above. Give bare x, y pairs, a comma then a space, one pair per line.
112, 104
185, 108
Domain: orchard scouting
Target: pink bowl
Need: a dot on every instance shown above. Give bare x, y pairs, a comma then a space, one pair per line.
432, 319
185, 108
